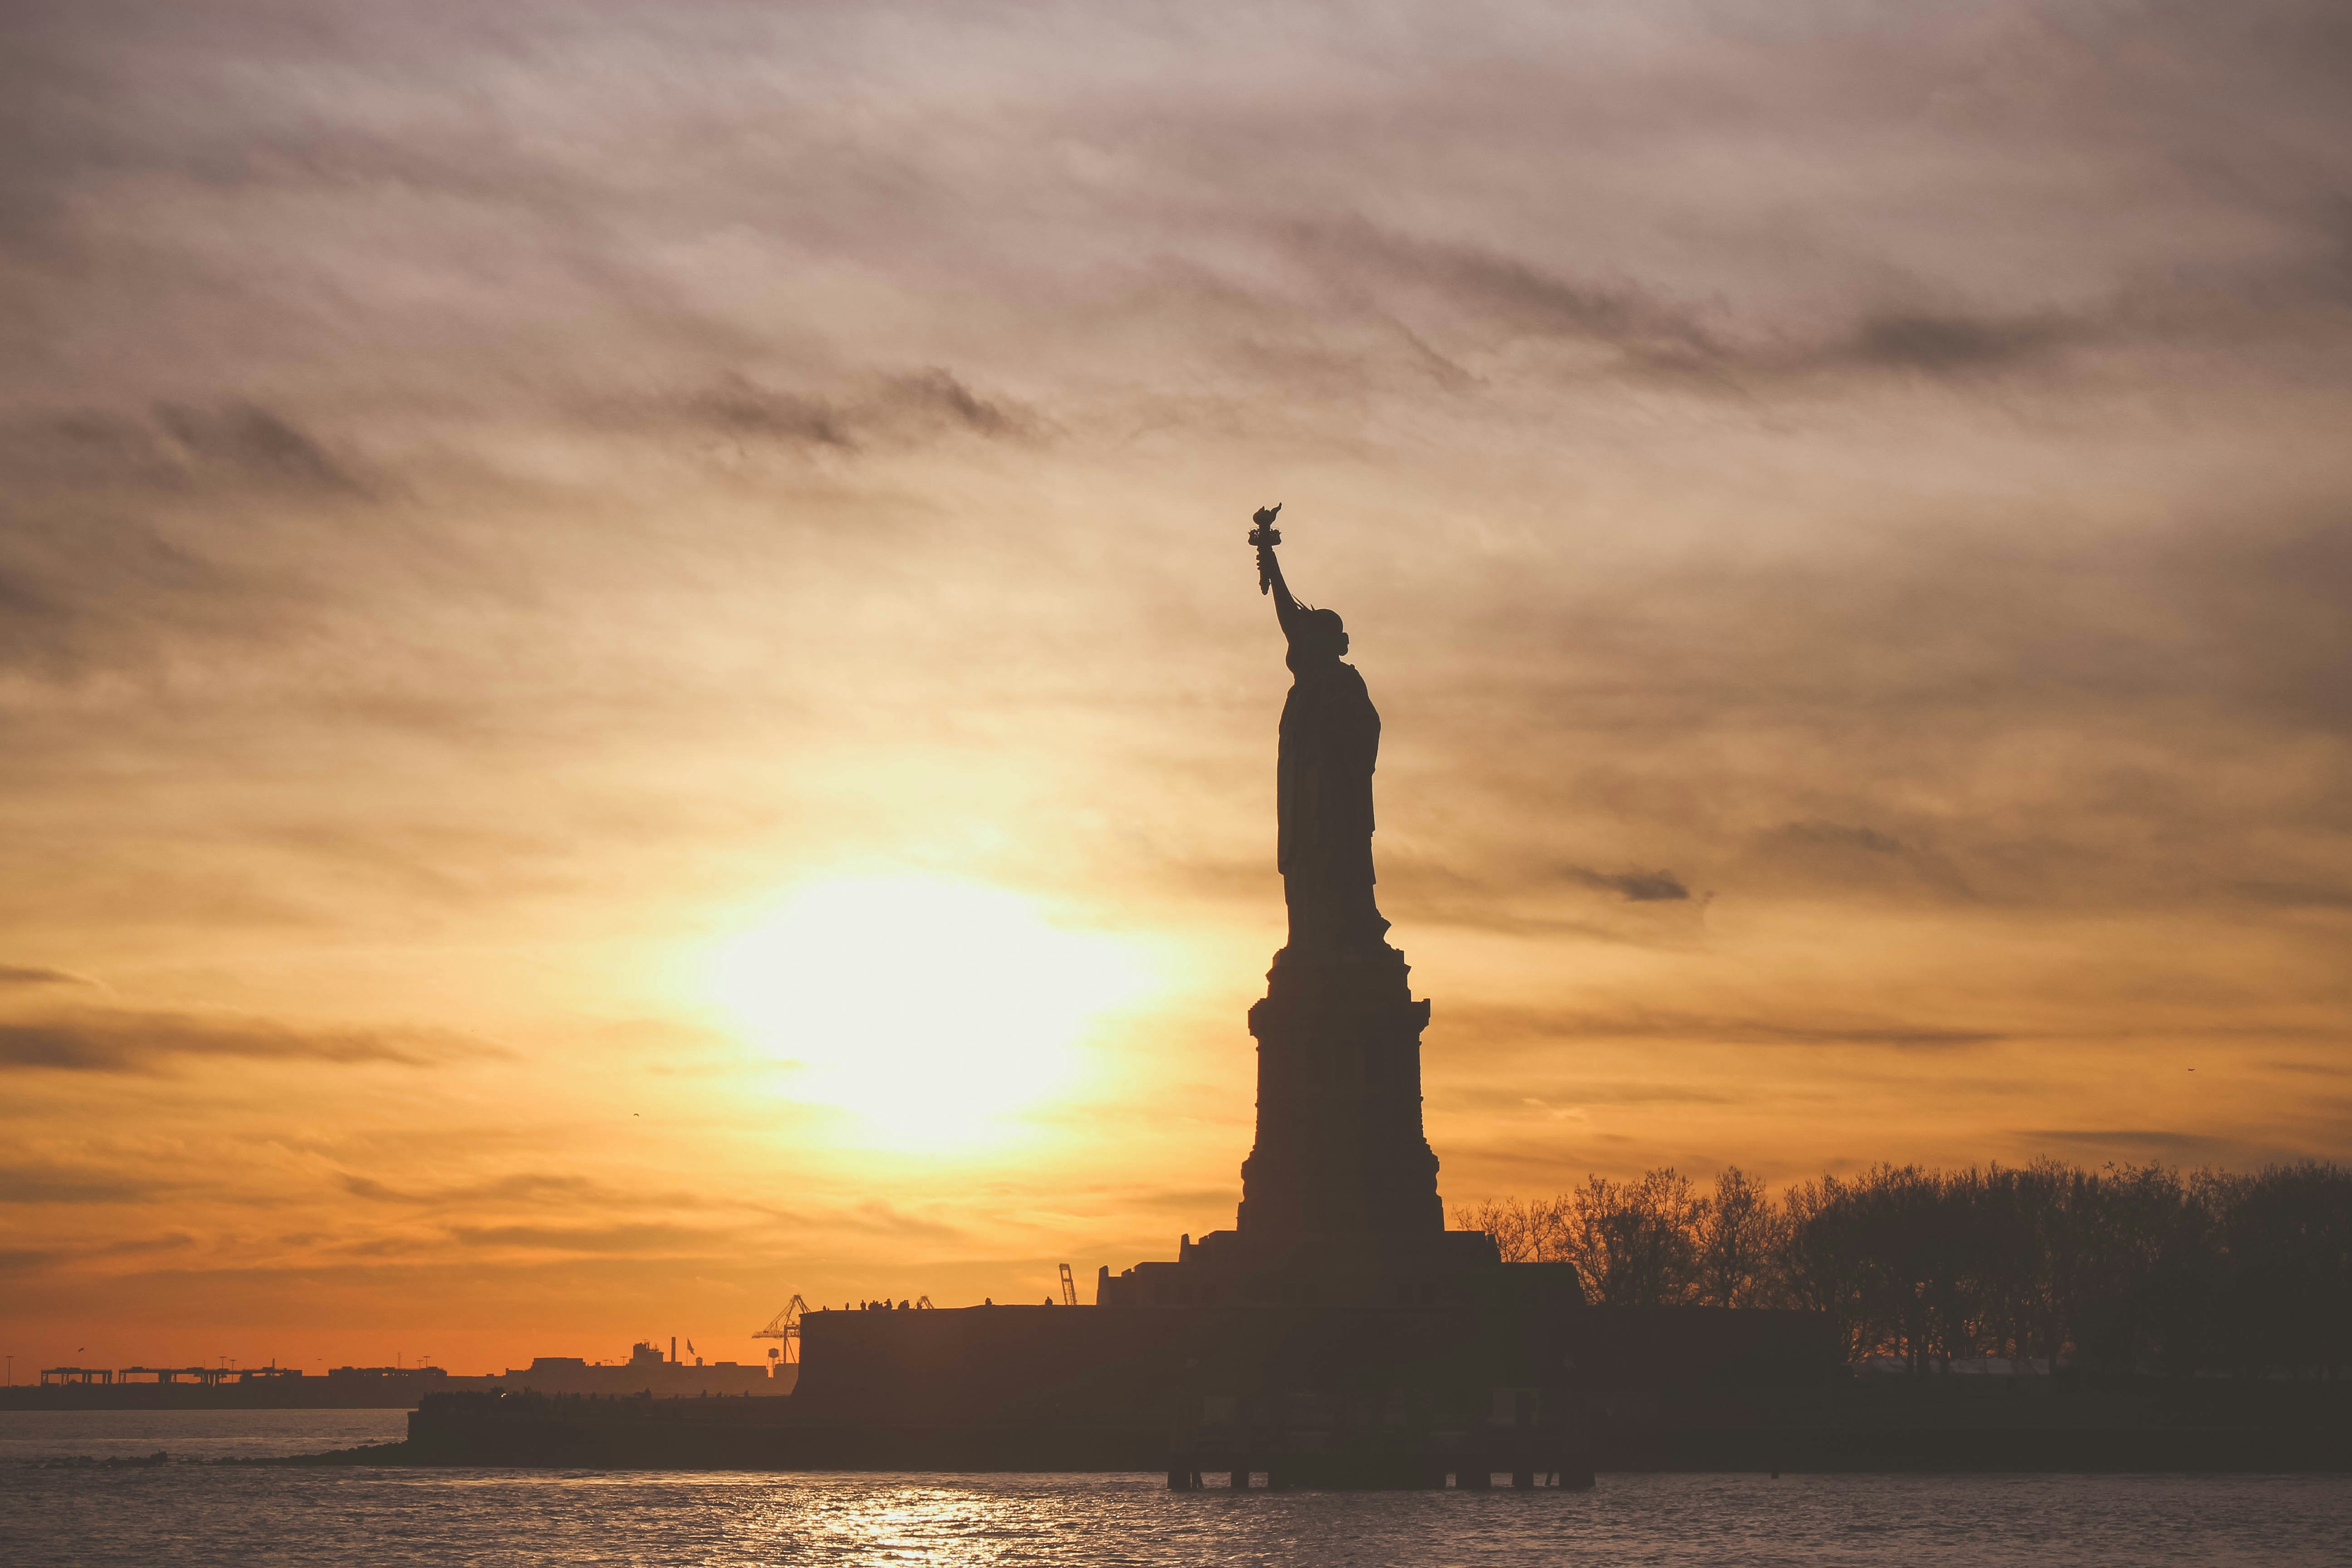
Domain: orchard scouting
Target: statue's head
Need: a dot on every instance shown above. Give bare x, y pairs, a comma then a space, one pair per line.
1324, 635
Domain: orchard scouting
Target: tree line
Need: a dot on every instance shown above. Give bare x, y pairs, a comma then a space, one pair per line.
2121, 1269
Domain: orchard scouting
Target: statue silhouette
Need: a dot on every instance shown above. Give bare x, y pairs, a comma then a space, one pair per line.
1341, 1149
1323, 777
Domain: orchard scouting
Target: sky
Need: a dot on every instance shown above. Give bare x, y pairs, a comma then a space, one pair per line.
630, 683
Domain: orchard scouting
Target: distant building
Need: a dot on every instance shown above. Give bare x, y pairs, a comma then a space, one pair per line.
647, 1371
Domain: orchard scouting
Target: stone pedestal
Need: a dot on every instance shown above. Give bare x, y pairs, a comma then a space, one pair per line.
1339, 1204
1341, 1149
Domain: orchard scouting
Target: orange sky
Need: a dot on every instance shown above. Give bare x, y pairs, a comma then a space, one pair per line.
629, 682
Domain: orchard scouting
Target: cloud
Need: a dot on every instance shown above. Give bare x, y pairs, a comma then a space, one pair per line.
2316, 1070
878, 1215
2294, 895
646, 1240
2158, 1142
1508, 894
1837, 836
891, 410
228, 443
80, 591
44, 1183
1515, 1099
1652, 336
55, 1261
525, 1187
1506, 1025
1179, 1198
935, 398
256, 442
1938, 344
129, 537
140, 1246
155, 1043
1500, 919
18, 974
1635, 886
1490, 286
1855, 859
739, 407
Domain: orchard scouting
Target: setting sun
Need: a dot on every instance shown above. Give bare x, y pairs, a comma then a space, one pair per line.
929, 1010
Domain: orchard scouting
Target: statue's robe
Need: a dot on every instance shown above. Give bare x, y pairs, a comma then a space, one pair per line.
1323, 795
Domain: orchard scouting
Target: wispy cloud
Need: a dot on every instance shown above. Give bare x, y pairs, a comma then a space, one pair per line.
1522, 1025
2162, 1143
1634, 887
19, 974
891, 410
49, 1184
148, 1043
530, 1189
648, 1240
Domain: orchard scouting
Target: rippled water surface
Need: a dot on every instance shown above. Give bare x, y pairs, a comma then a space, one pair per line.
202, 1514
191, 1434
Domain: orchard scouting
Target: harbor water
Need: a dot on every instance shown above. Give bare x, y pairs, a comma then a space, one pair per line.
190, 1511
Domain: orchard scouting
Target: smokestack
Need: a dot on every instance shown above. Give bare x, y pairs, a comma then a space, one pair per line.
673, 1349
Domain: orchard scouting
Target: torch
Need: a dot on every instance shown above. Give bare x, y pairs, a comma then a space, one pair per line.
1266, 536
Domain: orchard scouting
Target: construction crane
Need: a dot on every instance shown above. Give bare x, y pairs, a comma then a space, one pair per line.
1069, 1288
786, 1326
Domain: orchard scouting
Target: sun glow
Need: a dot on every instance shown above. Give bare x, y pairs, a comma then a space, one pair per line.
931, 1010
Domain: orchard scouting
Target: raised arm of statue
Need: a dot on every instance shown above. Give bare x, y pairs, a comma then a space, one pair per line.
1266, 536
1286, 609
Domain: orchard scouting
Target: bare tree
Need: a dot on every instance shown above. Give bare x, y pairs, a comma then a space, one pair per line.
1505, 1220
1739, 1244
1634, 1243
1822, 1258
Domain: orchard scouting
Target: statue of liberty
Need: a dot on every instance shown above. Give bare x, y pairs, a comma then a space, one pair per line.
1323, 779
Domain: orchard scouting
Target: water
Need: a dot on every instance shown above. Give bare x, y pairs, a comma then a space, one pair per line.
196, 1514
36, 1434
